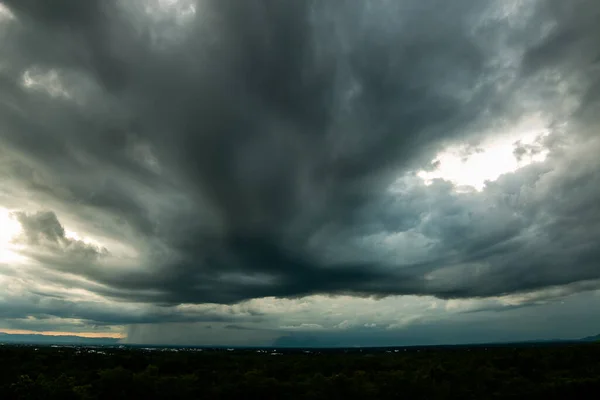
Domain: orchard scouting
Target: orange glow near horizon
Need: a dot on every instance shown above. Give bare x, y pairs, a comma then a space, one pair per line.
54, 333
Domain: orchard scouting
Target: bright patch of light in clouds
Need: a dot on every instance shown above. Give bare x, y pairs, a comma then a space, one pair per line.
48, 81
75, 236
180, 10
5, 13
9, 229
467, 166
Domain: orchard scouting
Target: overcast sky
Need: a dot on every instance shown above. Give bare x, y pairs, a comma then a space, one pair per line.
300, 172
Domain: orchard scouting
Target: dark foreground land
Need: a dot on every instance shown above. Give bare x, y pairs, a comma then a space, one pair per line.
481, 372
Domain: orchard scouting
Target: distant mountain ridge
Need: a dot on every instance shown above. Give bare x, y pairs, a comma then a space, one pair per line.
595, 338
284, 342
54, 339
292, 341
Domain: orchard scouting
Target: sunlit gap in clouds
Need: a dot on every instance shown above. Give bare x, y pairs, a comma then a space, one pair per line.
16, 247
167, 22
5, 13
163, 9
49, 81
179, 8
75, 236
471, 166
9, 230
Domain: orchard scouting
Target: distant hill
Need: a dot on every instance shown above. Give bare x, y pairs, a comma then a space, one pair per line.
282, 342
49, 339
591, 339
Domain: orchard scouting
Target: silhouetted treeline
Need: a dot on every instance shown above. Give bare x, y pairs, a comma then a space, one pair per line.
553, 372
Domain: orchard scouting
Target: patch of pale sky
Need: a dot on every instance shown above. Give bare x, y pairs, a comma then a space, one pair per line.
165, 20
126, 253
179, 9
49, 81
491, 159
5, 13
302, 327
9, 230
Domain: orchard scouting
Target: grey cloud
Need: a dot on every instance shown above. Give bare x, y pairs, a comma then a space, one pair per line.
265, 124
523, 150
43, 306
238, 327
570, 38
44, 230
472, 321
550, 295
544, 322
44, 225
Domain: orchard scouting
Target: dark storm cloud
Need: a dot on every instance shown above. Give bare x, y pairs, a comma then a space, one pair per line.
265, 123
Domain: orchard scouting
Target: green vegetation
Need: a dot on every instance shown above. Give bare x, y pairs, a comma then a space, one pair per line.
548, 372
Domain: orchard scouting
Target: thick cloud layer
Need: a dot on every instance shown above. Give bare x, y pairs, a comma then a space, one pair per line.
238, 150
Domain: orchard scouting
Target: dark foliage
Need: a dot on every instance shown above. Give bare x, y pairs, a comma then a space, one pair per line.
512, 372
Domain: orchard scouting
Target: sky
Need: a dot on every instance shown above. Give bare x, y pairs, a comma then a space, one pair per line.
341, 173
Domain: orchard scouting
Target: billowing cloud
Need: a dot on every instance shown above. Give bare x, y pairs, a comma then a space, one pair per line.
167, 154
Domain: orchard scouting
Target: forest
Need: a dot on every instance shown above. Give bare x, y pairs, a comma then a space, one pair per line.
478, 372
